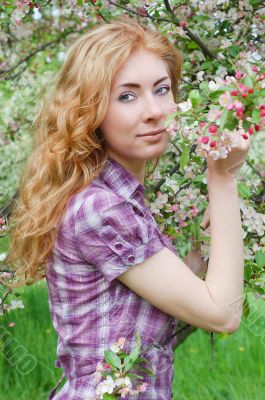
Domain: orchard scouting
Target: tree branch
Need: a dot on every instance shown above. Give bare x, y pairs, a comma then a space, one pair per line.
98, 12
174, 21
33, 53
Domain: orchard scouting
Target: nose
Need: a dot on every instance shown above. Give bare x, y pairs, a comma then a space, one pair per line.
152, 108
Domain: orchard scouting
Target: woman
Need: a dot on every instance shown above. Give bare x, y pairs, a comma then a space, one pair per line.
82, 221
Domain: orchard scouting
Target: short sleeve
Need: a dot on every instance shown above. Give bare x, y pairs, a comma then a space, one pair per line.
113, 235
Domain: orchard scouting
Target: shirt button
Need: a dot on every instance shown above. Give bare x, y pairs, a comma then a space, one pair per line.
131, 258
118, 245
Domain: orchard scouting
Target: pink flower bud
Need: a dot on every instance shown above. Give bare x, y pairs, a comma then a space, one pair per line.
255, 68
262, 113
213, 144
234, 93
238, 75
205, 139
257, 128
230, 106
250, 90
244, 95
245, 136
174, 207
182, 24
212, 129
202, 124
250, 130
262, 107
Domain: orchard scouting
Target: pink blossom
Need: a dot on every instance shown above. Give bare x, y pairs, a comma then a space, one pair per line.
182, 223
239, 75
238, 105
142, 387
124, 391
225, 99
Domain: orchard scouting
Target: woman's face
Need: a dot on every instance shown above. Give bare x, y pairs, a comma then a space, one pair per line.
139, 103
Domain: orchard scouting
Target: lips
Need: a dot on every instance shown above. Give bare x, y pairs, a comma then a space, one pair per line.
153, 133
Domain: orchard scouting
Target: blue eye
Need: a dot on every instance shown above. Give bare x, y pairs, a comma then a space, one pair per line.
124, 97
166, 88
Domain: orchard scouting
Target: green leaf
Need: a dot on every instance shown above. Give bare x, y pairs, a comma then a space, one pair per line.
234, 50
260, 258
246, 307
247, 272
248, 82
246, 125
243, 190
184, 158
231, 122
133, 356
255, 116
195, 97
79, 2
195, 229
107, 396
147, 371
112, 359
223, 119
206, 65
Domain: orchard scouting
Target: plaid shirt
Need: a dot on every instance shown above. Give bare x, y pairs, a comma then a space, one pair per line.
107, 228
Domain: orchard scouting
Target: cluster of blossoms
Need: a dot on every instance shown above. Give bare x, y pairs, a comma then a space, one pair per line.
253, 222
186, 207
116, 382
13, 305
236, 108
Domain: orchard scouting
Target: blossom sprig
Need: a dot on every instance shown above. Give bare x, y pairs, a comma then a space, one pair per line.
117, 380
223, 108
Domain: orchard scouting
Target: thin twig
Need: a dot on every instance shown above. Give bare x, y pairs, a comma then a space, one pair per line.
39, 48
98, 12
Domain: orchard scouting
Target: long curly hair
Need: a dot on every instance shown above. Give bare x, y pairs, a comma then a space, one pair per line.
68, 151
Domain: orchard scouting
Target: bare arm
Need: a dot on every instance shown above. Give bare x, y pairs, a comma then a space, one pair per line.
164, 279
225, 274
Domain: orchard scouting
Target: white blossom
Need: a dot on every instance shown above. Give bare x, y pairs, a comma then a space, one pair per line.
14, 304
107, 386
123, 382
2, 256
185, 106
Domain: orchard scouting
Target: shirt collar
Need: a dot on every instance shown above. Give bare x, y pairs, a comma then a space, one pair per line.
119, 179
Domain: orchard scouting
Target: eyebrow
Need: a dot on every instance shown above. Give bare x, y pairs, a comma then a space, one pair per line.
136, 85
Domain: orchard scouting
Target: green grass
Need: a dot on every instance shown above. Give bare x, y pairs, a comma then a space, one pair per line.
238, 363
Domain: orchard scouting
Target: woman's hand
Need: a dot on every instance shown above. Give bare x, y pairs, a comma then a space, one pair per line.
234, 160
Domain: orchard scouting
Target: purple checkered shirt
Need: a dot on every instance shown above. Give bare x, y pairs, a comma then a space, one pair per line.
106, 229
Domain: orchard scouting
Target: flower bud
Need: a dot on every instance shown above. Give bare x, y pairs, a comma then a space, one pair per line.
245, 136
262, 113
238, 75
212, 129
257, 128
205, 139
234, 93
182, 24
213, 144
250, 130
